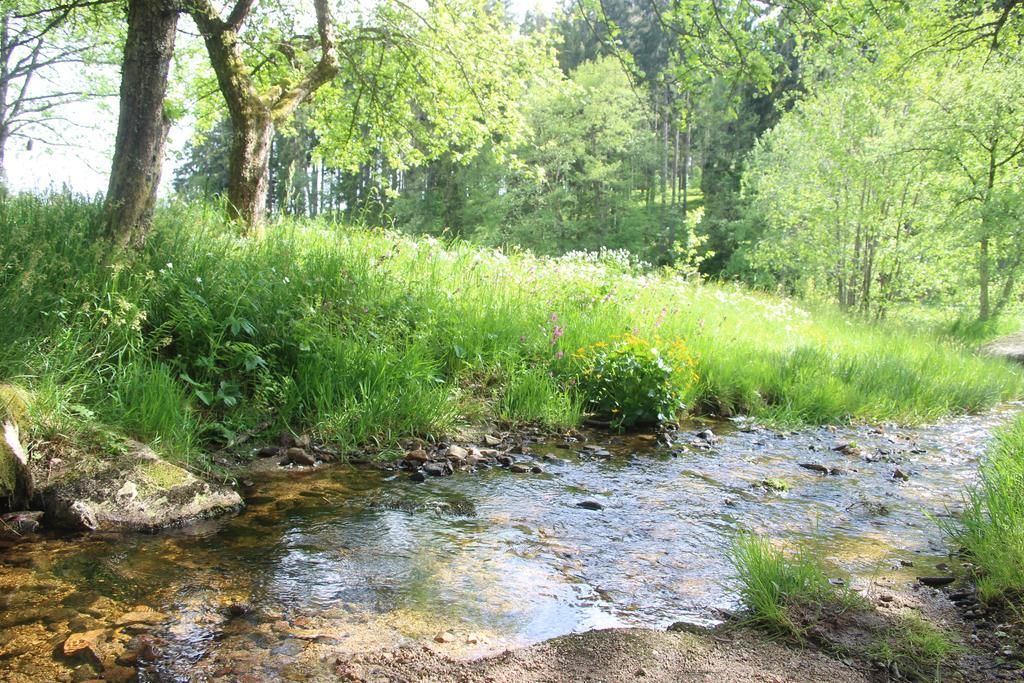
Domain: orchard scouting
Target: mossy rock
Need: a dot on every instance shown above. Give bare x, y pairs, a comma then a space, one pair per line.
14, 402
15, 476
136, 491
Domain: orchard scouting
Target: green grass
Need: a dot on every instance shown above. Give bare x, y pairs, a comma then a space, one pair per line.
785, 593
991, 528
914, 649
958, 323
364, 336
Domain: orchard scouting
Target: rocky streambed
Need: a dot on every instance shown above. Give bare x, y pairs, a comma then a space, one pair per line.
474, 548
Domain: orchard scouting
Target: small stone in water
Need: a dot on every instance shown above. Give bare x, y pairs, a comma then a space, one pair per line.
590, 505
298, 456
457, 453
435, 469
900, 474
444, 637
518, 468
83, 643
935, 581
416, 456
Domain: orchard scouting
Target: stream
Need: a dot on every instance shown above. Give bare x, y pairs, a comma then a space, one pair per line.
353, 558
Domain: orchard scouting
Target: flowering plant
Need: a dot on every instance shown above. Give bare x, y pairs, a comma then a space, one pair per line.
630, 380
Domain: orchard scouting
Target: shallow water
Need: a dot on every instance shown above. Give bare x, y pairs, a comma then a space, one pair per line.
349, 559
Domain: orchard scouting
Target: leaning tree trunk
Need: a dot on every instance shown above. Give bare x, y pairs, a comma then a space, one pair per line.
249, 172
142, 124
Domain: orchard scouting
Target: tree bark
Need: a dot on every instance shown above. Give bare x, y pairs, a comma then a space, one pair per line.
249, 179
3, 149
686, 161
983, 278
254, 114
142, 123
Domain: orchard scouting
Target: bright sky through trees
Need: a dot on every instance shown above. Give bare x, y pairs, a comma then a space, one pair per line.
83, 163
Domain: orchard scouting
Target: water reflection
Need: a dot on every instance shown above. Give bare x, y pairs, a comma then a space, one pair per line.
356, 558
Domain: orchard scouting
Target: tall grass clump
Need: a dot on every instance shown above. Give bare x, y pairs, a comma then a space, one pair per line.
914, 649
991, 528
364, 336
784, 593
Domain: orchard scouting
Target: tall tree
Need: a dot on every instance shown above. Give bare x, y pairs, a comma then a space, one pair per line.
256, 110
142, 124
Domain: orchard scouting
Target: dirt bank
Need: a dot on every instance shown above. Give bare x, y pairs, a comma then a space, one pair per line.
613, 655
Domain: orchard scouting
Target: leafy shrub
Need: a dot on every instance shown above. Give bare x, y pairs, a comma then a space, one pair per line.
632, 381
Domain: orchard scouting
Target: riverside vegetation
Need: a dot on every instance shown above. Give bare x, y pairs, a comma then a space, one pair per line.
400, 232
362, 336
791, 594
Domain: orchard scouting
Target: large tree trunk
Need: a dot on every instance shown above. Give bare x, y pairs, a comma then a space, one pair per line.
142, 124
249, 175
254, 114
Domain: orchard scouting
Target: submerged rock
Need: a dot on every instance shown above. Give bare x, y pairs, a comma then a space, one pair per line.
18, 524
141, 615
85, 644
706, 435
822, 469
136, 490
590, 505
437, 469
935, 581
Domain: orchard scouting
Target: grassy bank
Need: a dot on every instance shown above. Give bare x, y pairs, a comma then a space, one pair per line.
785, 594
365, 336
991, 529
789, 595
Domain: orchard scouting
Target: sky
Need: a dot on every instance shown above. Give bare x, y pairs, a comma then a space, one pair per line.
81, 162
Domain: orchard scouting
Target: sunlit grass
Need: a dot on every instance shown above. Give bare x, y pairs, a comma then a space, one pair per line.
991, 529
366, 336
914, 649
784, 593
